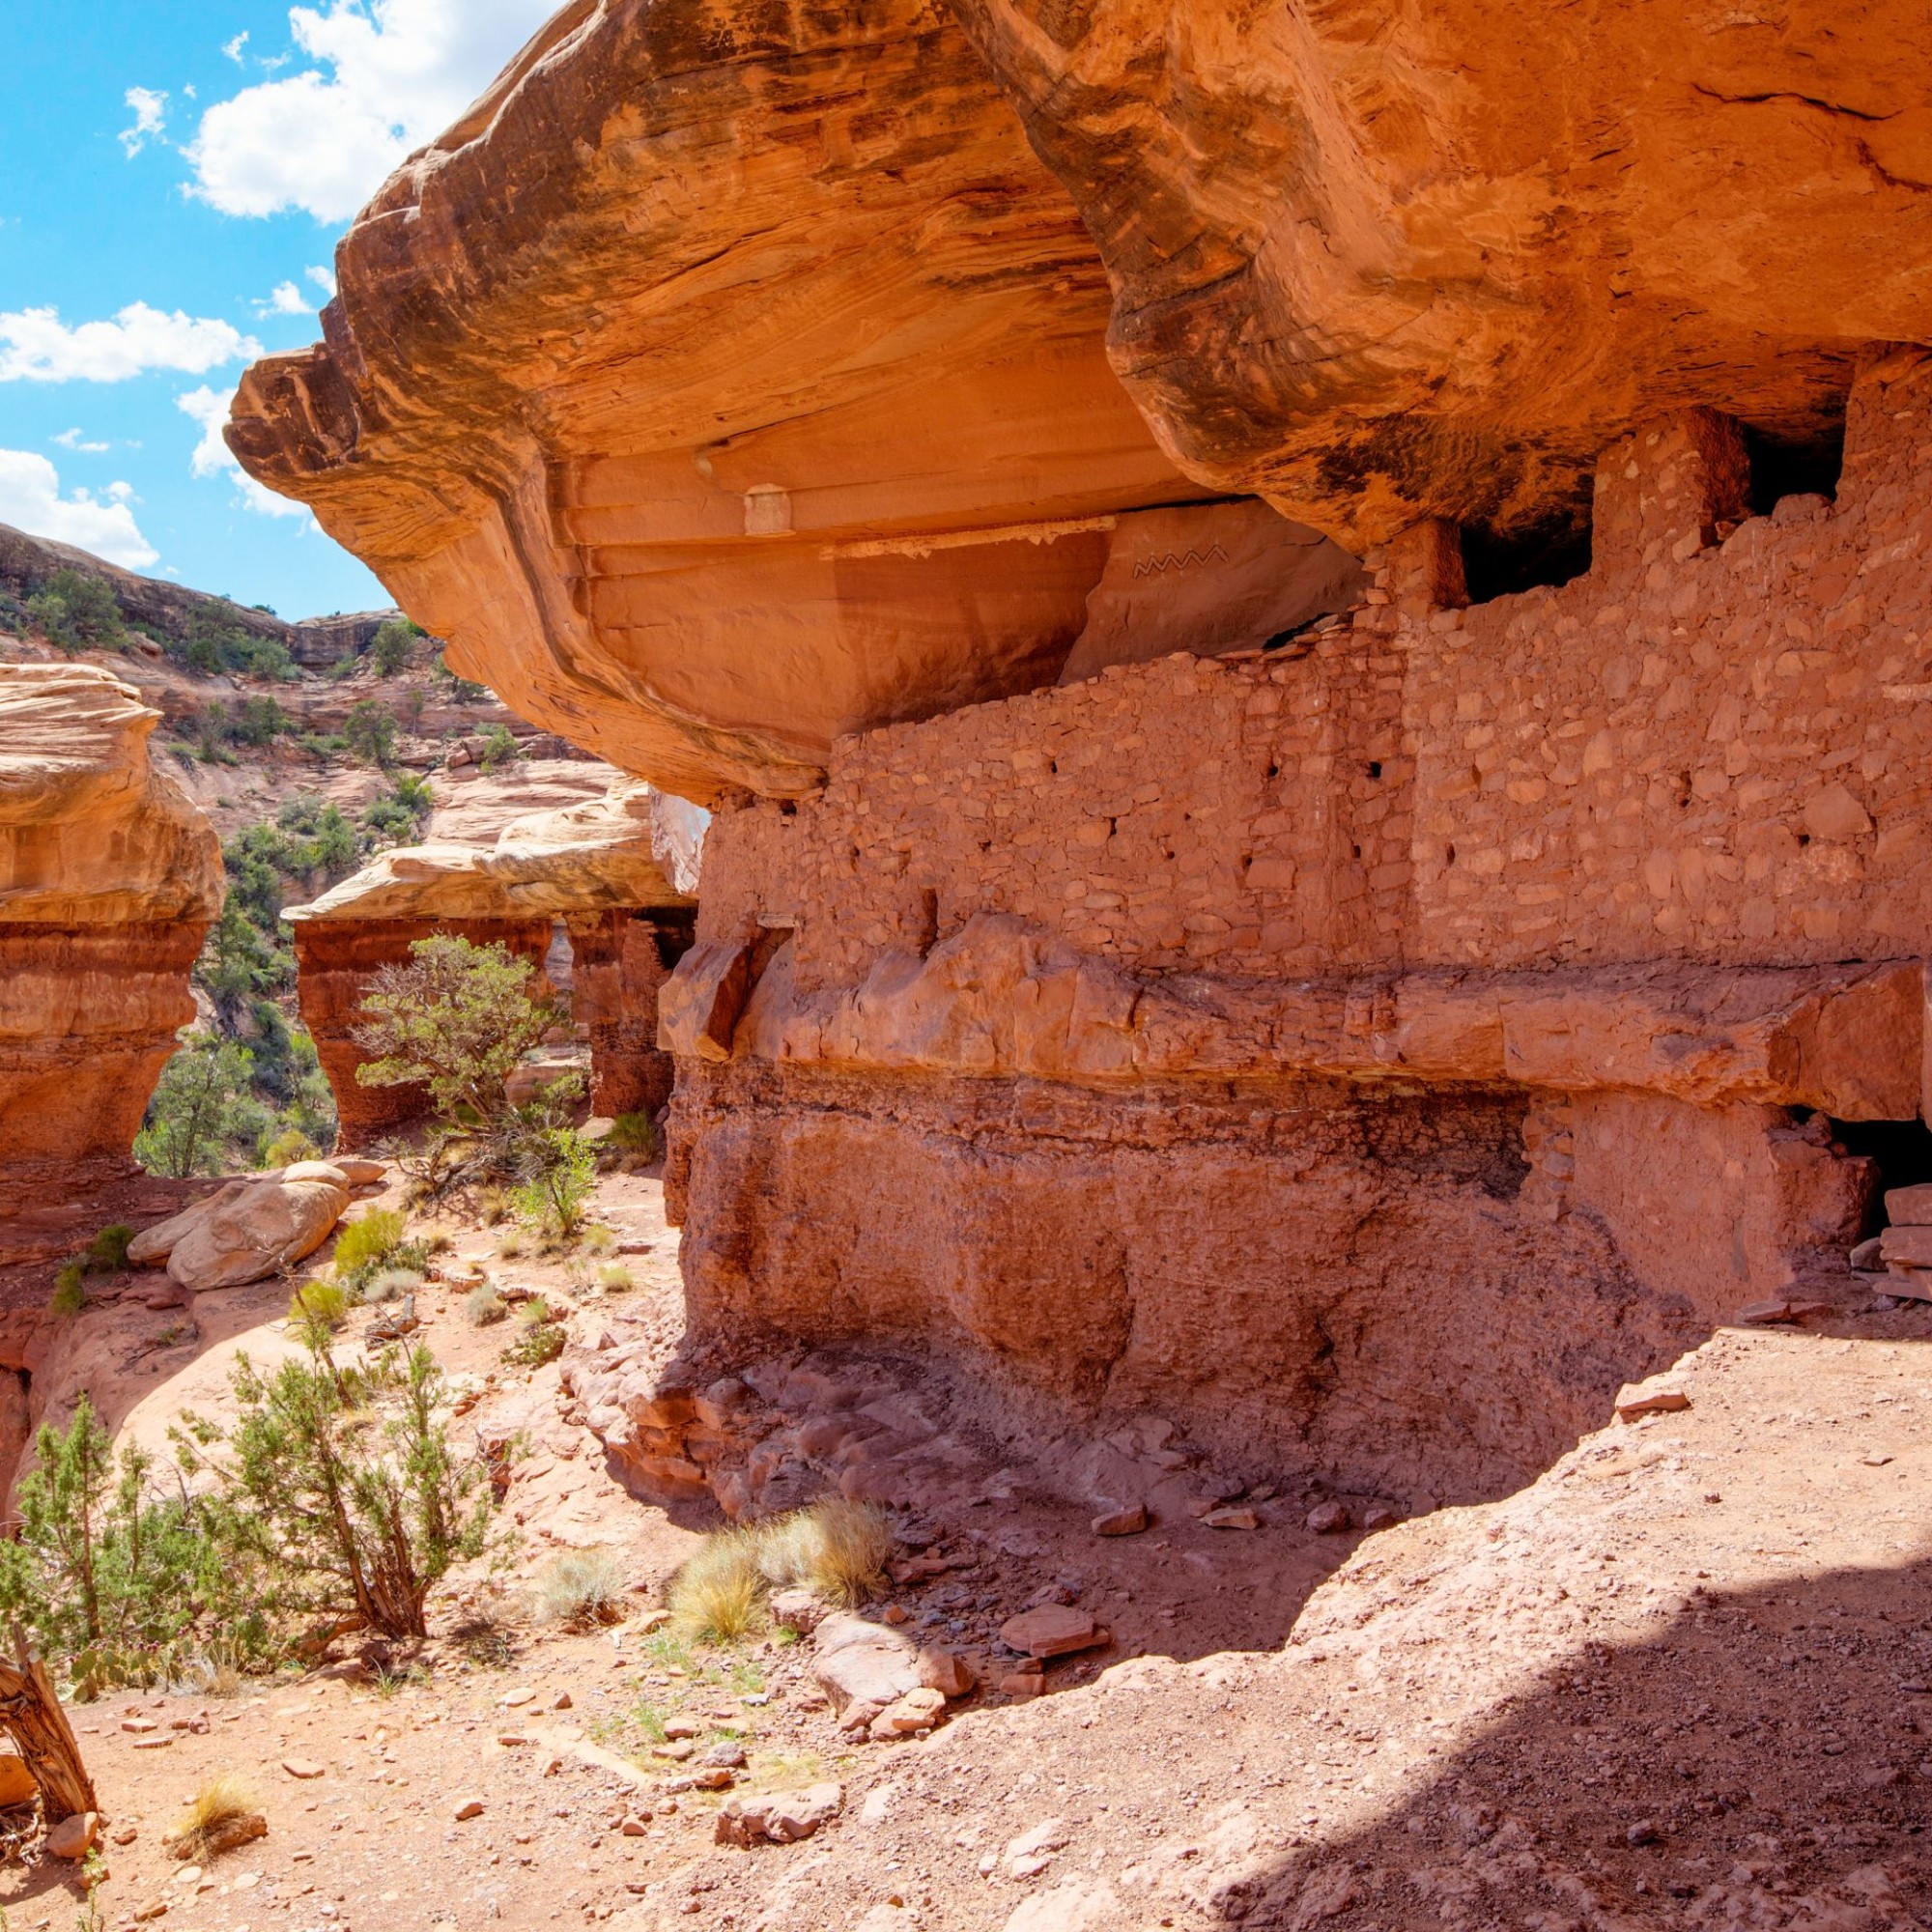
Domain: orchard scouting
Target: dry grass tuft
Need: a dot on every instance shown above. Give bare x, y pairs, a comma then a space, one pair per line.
223, 1815
582, 1587
836, 1549
614, 1278
718, 1594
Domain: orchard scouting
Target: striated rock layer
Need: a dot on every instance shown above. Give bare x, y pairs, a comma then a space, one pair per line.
1478, 1002
109, 880
728, 381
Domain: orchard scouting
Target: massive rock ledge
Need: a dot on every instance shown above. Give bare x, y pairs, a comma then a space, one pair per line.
109, 880
879, 464
1376, 262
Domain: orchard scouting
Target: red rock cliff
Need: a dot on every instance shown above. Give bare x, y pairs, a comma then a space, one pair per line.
109, 880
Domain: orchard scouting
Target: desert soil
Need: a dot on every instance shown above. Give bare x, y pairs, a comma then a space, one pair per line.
1681, 1679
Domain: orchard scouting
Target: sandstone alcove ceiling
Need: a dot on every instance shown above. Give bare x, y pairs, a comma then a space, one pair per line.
1374, 262
721, 387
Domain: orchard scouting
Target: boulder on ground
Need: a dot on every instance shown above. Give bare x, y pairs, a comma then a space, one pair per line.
17, 1782
259, 1227
1052, 1631
75, 1837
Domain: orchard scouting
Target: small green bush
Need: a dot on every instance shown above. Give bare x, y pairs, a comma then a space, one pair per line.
289, 1146
484, 1307
499, 748
76, 612
107, 1252
370, 732
539, 1339
613, 1277
393, 645
69, 1295
321, 1305
367, 1244
560, 1170
635, 1134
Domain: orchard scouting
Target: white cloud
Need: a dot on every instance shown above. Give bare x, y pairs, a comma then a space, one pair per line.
285, 299
150, 118
233, 48
73, 438
324, 279
397, 72
37, 346
31, 500
213, 458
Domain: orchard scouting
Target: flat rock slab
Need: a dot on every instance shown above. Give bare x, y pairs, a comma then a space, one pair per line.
859, 1662
1052, 1631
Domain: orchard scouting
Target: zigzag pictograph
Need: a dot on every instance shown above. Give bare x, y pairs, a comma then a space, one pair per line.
1160, 566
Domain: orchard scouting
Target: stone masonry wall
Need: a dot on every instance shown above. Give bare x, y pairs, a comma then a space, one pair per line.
1709, 749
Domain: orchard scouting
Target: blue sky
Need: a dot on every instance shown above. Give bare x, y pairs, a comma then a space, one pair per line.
174, 176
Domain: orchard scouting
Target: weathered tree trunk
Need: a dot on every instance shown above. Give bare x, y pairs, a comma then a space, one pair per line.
31, 1715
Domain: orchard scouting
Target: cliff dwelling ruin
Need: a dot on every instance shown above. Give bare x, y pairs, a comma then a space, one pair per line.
1314, 718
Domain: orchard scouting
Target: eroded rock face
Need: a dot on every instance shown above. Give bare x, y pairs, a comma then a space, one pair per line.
879, 462
109, 879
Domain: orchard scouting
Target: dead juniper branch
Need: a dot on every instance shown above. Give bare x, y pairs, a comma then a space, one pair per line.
31, 1715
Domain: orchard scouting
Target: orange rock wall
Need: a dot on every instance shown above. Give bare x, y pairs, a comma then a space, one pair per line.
619, 962
88, 1019
1268, 1041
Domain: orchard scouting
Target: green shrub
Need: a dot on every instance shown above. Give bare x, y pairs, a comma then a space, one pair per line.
635, 1134
100, 1568
559, 1176
76, 613
614, 1278
370, 732
365, 1245
69, 1294
336, 1518
197, 1109
461, 690
393, 647
289, 1146
319, 1306
107, 1252
258, 720
499, 748
539, 1339
458, 1019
